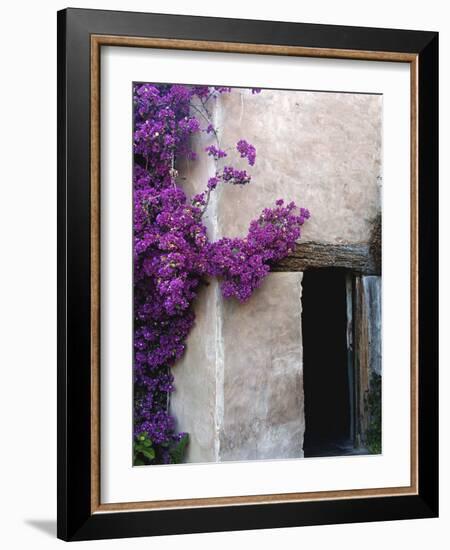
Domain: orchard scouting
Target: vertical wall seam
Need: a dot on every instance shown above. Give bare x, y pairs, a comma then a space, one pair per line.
219, 358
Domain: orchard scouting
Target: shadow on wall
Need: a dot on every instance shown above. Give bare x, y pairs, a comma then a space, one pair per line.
46, 526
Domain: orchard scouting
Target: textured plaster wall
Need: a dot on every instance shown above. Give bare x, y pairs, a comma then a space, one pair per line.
263, 413
239, 387
321, 150
194, 401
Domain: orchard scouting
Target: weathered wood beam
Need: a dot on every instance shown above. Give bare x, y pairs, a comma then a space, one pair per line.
363, 258
308, 255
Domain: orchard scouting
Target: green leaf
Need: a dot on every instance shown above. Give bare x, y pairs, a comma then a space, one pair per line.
177, 451
139, 462
149, 453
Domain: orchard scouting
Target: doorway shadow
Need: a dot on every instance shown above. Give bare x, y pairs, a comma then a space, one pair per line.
325, 364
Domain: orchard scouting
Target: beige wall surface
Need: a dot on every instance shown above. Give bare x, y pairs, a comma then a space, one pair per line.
321, 150
239, 387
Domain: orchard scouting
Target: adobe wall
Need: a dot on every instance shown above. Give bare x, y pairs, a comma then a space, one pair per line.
239, 387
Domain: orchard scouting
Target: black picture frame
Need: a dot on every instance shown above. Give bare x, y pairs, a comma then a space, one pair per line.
75, 518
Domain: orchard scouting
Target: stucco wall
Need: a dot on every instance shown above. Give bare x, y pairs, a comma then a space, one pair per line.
262, 410
322, 150
239, 387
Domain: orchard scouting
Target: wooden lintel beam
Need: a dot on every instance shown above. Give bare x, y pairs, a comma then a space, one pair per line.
362, 258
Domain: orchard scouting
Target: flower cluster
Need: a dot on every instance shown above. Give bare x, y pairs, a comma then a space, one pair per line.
173, 255
215, 152
247, 150
242, 264
235, 176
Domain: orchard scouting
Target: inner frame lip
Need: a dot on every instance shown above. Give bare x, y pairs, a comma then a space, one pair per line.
96, 42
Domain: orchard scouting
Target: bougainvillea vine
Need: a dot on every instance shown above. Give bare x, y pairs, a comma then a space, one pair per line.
173, 255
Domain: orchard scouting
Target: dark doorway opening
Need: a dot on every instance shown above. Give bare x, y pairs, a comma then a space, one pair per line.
328, 379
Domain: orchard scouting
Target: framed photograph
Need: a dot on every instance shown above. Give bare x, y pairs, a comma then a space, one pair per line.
247, 252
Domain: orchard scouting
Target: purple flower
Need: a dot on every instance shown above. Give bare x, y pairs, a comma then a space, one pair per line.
212, 183
247, 151
222, 89
172, 252
235, 176
213, 151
